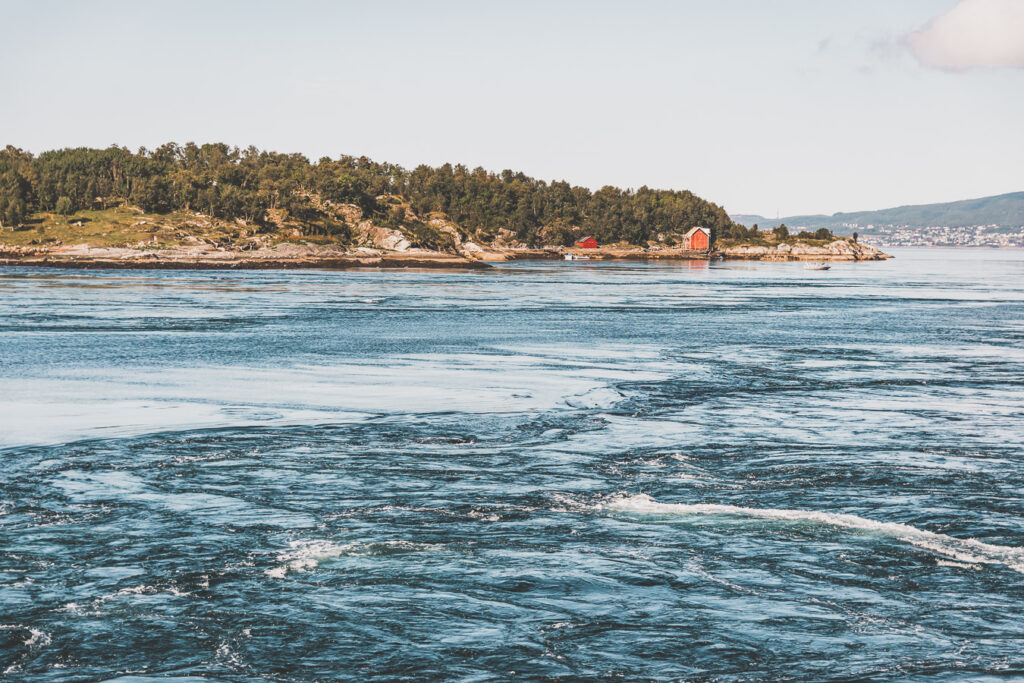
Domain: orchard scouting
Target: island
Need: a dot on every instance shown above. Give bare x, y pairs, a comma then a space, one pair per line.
215, 206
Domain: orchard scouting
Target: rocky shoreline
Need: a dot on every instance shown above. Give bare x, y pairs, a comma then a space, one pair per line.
839, 250
470, 256
289, 258
243, 262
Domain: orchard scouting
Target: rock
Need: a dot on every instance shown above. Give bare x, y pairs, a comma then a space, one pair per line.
474, 251
448, 228
387, 238
350, 212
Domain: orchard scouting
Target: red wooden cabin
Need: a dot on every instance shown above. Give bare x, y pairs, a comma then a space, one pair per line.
698, 238
587, 243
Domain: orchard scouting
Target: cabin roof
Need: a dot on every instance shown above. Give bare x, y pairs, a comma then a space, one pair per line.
694, 229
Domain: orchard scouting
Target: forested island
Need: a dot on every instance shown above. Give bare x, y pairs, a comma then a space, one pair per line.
220, 206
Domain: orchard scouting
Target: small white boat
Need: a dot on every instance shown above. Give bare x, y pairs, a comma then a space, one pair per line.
574, 257
817, 266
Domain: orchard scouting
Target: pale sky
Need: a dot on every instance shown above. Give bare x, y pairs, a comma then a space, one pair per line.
795, 106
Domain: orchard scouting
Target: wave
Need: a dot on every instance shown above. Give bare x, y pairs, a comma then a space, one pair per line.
963, 550
305, 556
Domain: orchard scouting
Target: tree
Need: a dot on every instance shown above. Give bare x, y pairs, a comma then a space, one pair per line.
16, 178
781, 231
64, 206
855, 236
13, 213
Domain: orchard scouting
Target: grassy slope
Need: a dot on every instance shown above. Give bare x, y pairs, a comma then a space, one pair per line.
130, 227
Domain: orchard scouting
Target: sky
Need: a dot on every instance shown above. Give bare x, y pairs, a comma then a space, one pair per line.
777, 108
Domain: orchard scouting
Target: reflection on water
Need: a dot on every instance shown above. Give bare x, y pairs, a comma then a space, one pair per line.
583, 470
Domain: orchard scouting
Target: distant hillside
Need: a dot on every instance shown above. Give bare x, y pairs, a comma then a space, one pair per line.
1005, 211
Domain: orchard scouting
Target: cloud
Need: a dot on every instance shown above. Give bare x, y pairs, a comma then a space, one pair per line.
974, 34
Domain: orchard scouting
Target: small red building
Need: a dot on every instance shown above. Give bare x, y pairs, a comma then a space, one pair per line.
697, 238
587, 243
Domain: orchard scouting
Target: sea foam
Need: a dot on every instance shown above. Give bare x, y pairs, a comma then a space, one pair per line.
307, 555
964, 550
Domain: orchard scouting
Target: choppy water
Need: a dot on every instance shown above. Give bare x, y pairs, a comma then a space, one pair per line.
564, 470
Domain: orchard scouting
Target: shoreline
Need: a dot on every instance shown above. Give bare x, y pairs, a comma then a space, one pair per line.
838, 250
84, 257
322, 263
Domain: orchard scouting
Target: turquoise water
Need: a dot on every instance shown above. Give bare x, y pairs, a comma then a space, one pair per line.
705, 471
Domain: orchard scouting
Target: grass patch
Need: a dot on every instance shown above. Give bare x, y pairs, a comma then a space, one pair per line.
130, 227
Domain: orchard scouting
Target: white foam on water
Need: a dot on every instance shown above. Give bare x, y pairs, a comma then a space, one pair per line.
483, 516
963, 550
97, 605
38, 639
142, 590
227, 655
959, 565
307, 555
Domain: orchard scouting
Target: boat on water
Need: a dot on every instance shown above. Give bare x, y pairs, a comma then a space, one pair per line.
575, 257
817, 266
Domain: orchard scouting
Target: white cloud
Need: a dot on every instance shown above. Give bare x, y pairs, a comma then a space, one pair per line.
974, 34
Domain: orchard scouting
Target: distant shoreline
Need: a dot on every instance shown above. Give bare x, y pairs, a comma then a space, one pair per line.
966, 247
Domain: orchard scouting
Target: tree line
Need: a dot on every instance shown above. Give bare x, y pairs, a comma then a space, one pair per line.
231, 183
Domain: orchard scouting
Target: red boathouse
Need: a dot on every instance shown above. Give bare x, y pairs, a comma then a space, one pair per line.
698, 238
587, 243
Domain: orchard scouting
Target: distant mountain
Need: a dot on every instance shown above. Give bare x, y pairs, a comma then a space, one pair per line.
1005, 211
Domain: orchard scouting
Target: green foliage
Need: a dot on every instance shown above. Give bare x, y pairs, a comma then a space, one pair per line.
821, 234
64, 206
524, 206
13, 212
781, 231
16, 177
325, 226
429, 237
228, 183
738, 232
393, 217
561, 233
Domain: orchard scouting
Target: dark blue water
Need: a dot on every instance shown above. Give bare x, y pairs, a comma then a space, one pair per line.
725, 471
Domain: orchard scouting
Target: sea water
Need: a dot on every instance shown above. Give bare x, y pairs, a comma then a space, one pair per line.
565, 470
